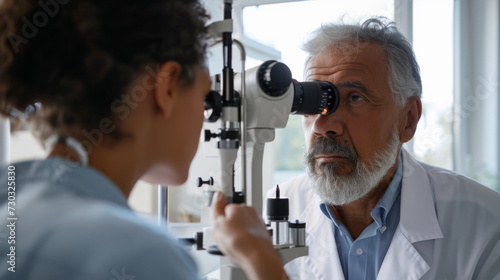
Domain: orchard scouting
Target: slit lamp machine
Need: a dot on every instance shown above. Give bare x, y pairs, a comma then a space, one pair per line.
249, 106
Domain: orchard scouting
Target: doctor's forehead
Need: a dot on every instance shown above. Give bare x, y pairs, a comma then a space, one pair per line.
370, 61
334, 55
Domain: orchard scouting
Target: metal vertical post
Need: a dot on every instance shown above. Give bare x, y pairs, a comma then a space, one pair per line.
4, 141
162, 205
403, 16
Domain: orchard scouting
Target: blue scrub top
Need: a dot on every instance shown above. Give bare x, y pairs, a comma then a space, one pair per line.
74, 223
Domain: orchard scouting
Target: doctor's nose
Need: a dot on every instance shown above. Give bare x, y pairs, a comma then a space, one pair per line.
326, 126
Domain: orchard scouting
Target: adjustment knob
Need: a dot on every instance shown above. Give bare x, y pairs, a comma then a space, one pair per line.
200, 182
274, 78
209, 135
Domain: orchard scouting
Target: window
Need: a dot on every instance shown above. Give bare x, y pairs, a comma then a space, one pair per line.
433, 46
284, 27
459, 125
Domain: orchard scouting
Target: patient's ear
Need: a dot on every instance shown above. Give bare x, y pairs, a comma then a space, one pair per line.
411, 115
167, 85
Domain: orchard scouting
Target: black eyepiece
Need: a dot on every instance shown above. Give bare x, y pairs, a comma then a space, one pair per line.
317, 97
310, 98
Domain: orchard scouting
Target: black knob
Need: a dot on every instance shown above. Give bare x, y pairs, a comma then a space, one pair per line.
214, 250
209, 135
274, 78
277, 208
200, 182
196, 240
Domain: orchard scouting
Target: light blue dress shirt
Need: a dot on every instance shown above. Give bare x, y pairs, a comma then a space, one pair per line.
362, 258
74, 223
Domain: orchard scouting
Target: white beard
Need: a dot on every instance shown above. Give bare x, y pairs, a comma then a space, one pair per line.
343, 189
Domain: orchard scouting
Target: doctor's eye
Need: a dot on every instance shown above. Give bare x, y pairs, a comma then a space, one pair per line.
356, 98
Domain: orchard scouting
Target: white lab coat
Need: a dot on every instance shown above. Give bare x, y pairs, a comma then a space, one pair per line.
449, 229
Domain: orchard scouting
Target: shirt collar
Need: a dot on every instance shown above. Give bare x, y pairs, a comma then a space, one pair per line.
383, 206
85, 181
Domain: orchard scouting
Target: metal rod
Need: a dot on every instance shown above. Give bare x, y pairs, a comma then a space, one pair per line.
243, 121
227, 71
162, 205
4, 140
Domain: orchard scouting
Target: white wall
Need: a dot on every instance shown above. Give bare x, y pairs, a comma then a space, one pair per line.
24, 146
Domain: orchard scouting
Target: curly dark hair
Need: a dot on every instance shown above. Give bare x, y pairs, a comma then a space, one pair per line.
75, 57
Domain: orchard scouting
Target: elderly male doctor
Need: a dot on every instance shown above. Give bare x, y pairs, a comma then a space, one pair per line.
372, 210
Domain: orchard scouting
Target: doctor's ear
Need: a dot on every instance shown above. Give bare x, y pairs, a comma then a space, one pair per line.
168, 78
411, 115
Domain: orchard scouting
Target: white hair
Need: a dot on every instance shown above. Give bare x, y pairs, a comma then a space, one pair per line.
404, 72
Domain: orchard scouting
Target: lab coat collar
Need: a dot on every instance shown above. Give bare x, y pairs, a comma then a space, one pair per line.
418, 219
323, 258
418, 222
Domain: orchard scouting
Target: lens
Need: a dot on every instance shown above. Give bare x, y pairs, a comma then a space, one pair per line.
317, 97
